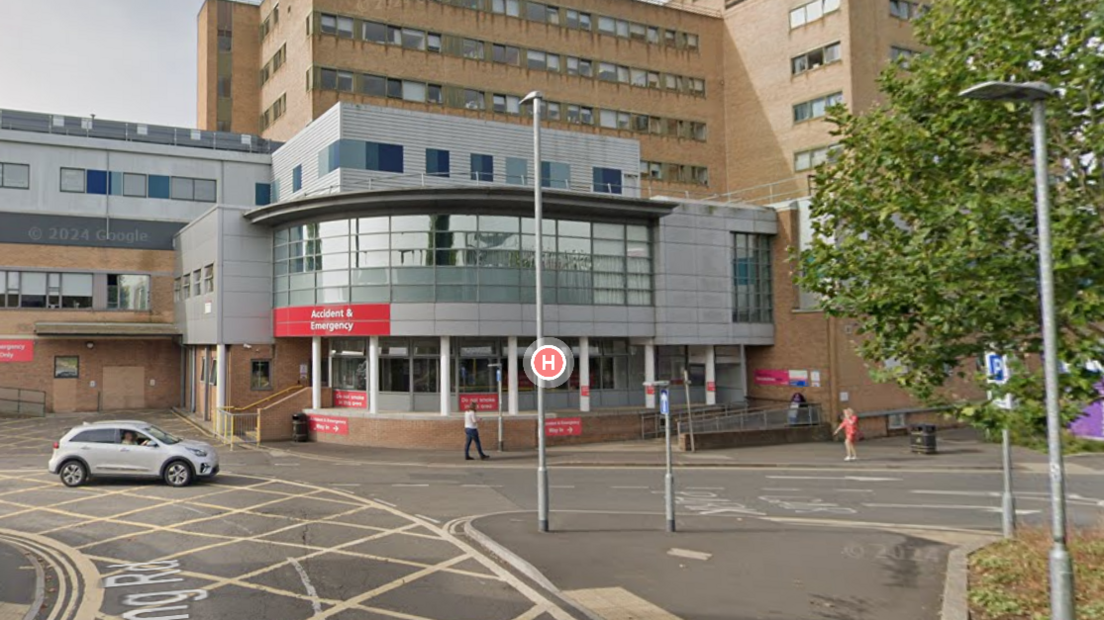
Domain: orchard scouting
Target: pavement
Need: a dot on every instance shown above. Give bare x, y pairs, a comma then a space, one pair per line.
959, 450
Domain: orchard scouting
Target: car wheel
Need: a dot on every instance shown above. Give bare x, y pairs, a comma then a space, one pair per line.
73, 474
178, 474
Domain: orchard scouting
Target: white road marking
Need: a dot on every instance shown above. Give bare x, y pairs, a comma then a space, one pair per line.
705, 488
965, 493
855, 478
376, 499
409, 485
686, 553
286, 464
350, 484
311, 592
995, 509
431, 519
482, 486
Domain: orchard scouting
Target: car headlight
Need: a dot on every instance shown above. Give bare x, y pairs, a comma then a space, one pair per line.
198, 452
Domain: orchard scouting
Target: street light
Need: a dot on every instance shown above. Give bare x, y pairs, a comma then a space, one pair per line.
542, 466
1061, 566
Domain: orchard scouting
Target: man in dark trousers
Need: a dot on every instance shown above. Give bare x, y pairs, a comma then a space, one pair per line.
471, 428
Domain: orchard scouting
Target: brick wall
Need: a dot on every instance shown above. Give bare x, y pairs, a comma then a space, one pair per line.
520, 432
771, 437
158, 359
275, 418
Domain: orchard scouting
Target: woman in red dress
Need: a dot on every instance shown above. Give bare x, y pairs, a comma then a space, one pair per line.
850, 428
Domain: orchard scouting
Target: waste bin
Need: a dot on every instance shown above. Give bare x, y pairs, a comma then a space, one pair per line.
300, 425
923, 438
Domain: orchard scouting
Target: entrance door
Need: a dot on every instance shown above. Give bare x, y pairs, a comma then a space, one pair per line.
124, 387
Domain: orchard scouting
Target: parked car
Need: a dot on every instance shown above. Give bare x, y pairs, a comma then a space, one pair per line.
130, 448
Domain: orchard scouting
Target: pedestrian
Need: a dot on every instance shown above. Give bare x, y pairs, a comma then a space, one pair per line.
471, 429
796, 401
850, 428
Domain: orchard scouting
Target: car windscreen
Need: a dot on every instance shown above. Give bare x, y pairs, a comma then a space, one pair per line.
161, 435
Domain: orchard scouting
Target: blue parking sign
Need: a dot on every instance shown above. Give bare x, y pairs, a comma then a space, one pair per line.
996, 367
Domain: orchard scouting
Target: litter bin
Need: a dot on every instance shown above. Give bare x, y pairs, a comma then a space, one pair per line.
300, 425
923, 438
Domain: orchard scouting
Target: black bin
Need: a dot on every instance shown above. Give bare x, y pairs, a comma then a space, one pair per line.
300, 427
922, 438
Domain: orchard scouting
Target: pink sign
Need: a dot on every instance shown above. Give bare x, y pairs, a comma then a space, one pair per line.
710, 386
326, 424
584, 390
481, 402
563, 427
350, 399
16, 350
333, 320
772, 377
649, 389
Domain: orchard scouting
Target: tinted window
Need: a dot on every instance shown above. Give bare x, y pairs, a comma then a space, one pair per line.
99, 435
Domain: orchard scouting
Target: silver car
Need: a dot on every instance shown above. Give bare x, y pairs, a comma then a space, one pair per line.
130, 448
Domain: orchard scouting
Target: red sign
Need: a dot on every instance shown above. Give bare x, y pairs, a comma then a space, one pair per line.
481, 402
772, 377
350, 399
336, 320
16, 350
649, 389
326, 424
548, 362
585, 391
710, 386
563, 427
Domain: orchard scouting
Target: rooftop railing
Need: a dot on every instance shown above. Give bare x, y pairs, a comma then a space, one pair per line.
92, 127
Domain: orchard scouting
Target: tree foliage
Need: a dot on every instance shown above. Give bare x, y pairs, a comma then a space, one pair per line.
925, 221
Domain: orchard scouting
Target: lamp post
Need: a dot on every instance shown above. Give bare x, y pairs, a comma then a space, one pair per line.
1061, 566
542, 466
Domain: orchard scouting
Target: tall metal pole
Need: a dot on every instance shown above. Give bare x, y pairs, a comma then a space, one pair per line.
542, 465
669, 479
1008, 501
1061, 566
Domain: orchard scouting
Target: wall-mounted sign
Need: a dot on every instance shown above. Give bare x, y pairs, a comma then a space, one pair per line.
350, 399
584, 391
767, 376
563, 427
710, 386
481, 402
335, 321
16, 350
799, 378
814, 376
329, 425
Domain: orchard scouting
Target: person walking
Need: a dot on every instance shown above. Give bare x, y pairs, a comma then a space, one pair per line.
471, 429
850, 428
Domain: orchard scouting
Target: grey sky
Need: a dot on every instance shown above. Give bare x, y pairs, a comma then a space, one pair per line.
130, 60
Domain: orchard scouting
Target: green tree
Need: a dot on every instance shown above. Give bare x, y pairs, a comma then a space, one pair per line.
926, 217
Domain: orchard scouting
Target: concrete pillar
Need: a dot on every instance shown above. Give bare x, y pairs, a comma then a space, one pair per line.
649, 376
316, 372
512, 369
373, 374
220, 377
444, 376
710, 375
584, 373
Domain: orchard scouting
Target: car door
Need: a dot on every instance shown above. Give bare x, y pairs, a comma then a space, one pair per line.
97, 447
144, 458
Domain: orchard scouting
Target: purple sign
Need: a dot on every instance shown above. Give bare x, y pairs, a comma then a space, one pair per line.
1092, 423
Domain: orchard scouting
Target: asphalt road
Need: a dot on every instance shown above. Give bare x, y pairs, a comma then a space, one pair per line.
292, 535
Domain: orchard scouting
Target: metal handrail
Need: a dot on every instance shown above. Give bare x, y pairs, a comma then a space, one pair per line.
255, 405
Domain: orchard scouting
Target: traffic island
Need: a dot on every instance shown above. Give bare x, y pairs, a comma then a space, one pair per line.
1009, 579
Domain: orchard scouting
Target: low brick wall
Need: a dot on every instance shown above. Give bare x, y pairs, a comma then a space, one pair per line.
874, 426
447, 433
275, 419
770, 437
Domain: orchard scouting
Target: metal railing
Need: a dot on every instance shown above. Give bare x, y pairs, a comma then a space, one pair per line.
258, 404
238, 426
766, 419
20, 401
92, 127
